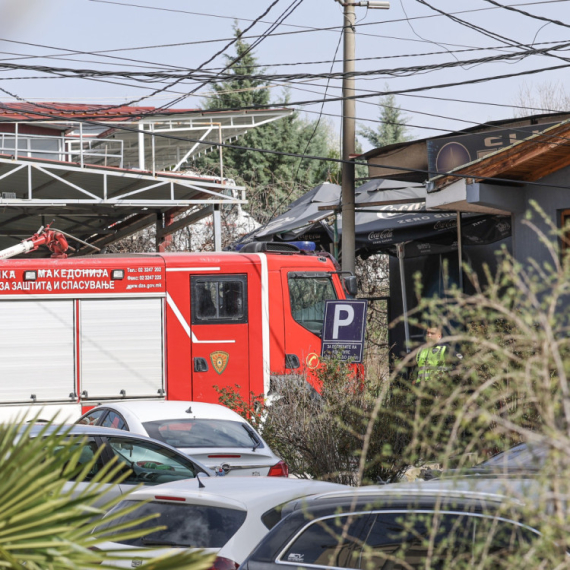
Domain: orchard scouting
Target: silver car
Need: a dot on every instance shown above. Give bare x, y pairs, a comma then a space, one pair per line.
150, 462
210, 433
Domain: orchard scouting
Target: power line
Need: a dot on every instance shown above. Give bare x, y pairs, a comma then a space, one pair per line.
512, 8
289, 10
297, 155
209, 78
156, 92
309, 28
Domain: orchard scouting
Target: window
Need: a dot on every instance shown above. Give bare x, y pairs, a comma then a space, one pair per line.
114, 420
195, 526
219, 299
308, 293
335, 541
273, 516
202, 433
91, 418
87, 453
401, 540
150, 464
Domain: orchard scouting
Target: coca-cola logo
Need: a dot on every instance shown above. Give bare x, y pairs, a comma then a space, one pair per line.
445, 225
380, 236
503, 226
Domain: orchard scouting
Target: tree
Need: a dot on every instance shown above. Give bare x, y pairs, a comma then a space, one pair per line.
277, 179
392, 128
547, 97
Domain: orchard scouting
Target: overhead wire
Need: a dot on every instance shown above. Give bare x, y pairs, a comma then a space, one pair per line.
297, 155
156, 92
206, 77
513, 8
288, 11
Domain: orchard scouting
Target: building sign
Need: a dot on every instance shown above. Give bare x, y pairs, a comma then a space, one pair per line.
72, 277
343, 330
448, 153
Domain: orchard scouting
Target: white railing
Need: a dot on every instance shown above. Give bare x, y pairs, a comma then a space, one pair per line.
84, 150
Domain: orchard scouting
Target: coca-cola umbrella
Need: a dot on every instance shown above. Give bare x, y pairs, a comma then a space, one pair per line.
380, 229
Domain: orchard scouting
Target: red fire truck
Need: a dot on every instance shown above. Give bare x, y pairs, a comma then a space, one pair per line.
78, 331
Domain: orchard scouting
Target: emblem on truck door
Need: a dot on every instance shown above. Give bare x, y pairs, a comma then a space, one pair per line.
219, 360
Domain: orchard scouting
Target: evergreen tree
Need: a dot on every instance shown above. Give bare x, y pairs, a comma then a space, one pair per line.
392, 128
276, 180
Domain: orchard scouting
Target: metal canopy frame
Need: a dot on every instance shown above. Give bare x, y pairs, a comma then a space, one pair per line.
99, 204
105, 178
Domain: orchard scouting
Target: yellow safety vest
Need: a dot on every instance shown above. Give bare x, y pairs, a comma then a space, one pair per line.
430, 361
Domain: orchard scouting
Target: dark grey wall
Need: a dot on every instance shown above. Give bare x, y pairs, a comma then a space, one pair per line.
430, 269
526, 244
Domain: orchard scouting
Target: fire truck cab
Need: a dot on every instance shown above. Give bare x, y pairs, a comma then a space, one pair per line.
78, 331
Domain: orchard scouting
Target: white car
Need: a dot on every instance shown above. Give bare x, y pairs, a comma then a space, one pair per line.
212, 434
224, 516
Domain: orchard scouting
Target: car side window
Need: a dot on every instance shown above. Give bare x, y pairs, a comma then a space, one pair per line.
88, 451
334, 541
399, 541
114, 420
91, 418
149, 463
219, 299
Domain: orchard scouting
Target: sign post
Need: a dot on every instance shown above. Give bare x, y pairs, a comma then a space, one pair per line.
343, 330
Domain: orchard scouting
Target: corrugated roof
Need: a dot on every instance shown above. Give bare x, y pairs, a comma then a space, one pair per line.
12, 112
38, 111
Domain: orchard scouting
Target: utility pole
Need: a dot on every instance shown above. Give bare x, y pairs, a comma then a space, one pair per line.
349, 131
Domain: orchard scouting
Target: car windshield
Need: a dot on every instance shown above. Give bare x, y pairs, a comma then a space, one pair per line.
519, 457
308, 295
150, 463
189, 432
187, 525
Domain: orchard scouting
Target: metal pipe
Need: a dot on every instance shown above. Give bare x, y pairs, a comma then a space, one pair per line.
335, 236
81, 144
153, 151
348, 142
401, 255
217, 219
460, 250
141, 146
221, 155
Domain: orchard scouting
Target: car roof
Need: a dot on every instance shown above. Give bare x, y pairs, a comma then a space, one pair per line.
491, 492
85, 430
148, 411
242, 492
81, 429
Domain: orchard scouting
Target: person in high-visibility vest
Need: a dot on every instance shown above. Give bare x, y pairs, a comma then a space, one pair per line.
432, 359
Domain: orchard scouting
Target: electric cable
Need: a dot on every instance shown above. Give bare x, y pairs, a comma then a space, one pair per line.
220, 77
523, 12
156, 92
310, 157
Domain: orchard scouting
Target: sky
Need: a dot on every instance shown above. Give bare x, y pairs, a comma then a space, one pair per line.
130, 35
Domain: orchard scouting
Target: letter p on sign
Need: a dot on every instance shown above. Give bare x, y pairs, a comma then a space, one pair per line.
343, 317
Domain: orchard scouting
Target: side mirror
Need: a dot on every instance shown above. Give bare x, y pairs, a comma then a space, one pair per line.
351, 285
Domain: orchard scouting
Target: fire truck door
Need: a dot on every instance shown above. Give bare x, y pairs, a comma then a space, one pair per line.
307, 292
220, 334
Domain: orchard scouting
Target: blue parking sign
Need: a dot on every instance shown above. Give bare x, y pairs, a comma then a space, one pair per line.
343, 329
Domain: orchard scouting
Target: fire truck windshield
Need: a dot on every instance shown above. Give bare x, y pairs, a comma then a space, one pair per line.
308, 293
